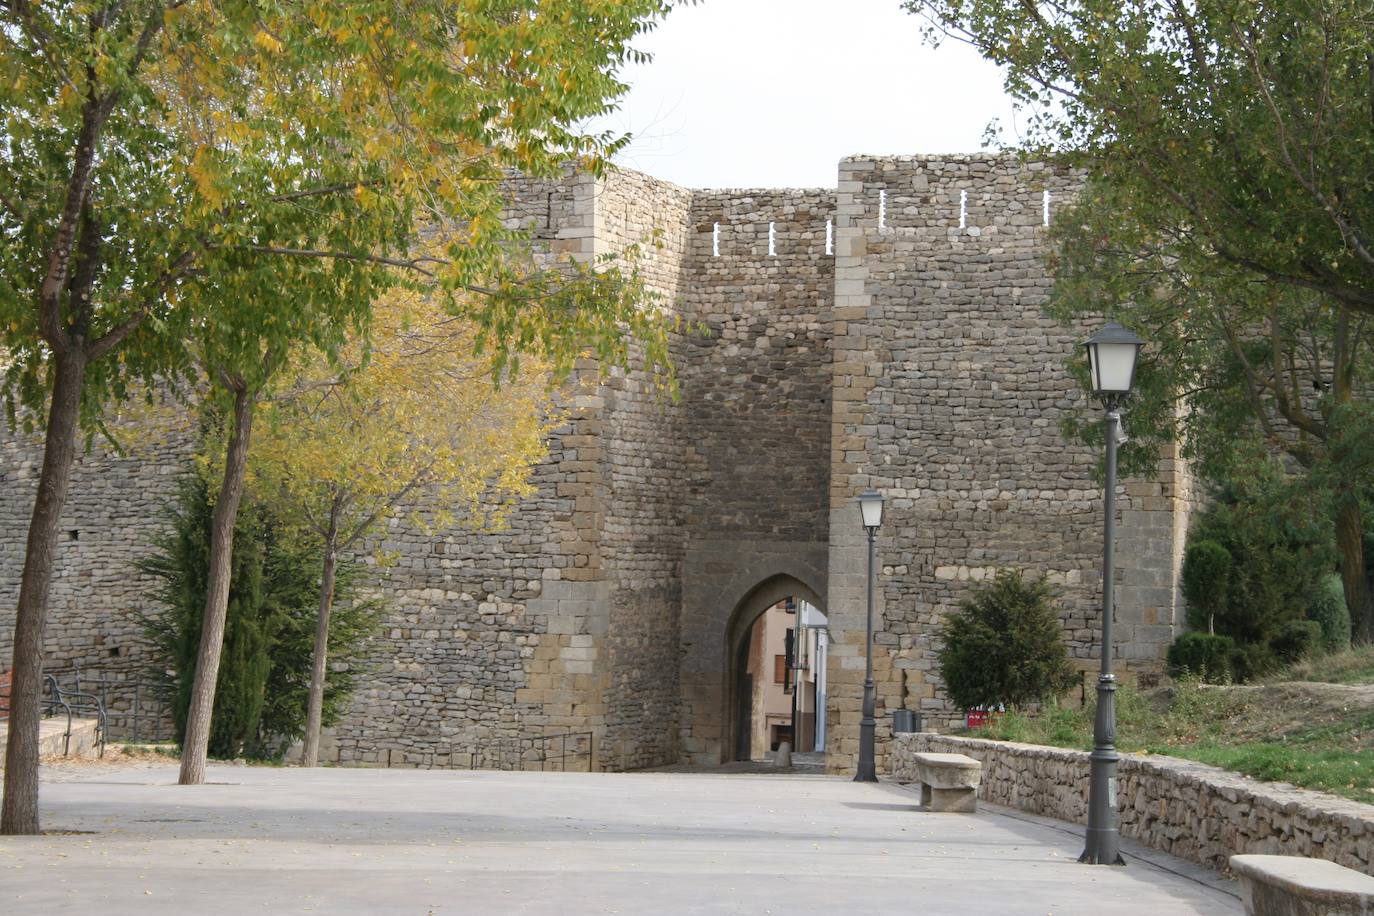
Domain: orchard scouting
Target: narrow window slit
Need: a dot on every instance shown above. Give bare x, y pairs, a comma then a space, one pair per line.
830, 236
715, 240
963, 209
772, 239
1045, 204
882, 209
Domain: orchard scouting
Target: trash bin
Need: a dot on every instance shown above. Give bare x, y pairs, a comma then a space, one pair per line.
905, 720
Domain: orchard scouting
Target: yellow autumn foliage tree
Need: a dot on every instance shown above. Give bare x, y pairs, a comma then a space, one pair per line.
412, 419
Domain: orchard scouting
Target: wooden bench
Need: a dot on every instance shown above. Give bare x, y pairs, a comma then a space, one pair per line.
1297, 886
949, 782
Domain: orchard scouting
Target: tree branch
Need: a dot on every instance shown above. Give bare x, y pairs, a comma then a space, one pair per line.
11, 207
324, 191
116, 335
407, 264
1349, 233
30, 27
387, 505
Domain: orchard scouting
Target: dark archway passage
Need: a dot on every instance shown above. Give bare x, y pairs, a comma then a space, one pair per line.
767, 695
726, 588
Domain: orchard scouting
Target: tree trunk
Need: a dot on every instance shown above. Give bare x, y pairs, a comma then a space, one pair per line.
1354, 579
20, 808
197, 743
314, 711
1349, 541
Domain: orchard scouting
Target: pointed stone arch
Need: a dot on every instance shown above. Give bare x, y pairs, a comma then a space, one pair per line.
750, 607
726, 589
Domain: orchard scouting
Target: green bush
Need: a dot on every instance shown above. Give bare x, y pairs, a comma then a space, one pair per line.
182, 566
1005, 645
1206, 576
1280, 545
1296, 640
264, 674
295, 598
1253, 660
1204, 656
1256, 569
1328, 609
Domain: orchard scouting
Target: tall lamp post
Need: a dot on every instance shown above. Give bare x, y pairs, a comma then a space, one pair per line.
1112, 354
871, 508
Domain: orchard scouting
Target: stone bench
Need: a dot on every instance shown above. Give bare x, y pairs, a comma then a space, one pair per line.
949, 782
1297, 886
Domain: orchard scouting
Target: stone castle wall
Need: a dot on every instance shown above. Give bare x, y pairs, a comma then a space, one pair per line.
949, 387
757, 399
642, 532
886, 334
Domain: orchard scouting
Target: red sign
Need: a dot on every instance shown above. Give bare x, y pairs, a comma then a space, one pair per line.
976, 718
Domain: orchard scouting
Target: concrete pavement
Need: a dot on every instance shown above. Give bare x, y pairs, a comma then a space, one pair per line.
266, 840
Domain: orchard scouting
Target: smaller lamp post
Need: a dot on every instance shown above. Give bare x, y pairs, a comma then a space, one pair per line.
871, 509
1112, 354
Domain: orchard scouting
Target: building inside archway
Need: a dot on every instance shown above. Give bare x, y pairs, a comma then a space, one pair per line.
782, 681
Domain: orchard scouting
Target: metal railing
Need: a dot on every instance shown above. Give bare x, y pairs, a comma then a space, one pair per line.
553, 753
76, 705
135, 710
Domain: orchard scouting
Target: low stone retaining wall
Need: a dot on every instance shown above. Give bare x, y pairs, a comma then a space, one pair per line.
1187, 809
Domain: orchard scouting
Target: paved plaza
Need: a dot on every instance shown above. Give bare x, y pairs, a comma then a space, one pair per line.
266, 840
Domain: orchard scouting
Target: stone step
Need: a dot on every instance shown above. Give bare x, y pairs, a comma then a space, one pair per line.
52, 741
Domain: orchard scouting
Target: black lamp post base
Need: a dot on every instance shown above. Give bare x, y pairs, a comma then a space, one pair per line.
867, 770
1102, 850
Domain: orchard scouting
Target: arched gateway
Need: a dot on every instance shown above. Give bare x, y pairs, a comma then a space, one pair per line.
742, 694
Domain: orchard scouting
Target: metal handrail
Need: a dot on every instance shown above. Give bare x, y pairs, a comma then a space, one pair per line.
135, 709
75, 702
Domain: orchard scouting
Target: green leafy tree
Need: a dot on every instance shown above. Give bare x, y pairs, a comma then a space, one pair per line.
1280, 546
1328, 609
1005, 645
1228, 211
424, 146
1206, 575
233, 178
1237, 366
1239, 130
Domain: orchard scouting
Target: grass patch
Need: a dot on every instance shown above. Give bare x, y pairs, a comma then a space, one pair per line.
1316, 736
151, 750
1340, 772
1353, 666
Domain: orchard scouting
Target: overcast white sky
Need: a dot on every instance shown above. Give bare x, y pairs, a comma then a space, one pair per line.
773, 93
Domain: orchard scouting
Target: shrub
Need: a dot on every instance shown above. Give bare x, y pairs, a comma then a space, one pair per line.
1005, 645
1206, 575
1252, 660
182, 566
296, 599
1280, 546
1328, 609
1204, 656
264, 674
1296, 640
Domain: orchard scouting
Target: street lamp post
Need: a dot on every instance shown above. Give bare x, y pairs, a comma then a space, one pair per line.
871, 509
1112, 354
